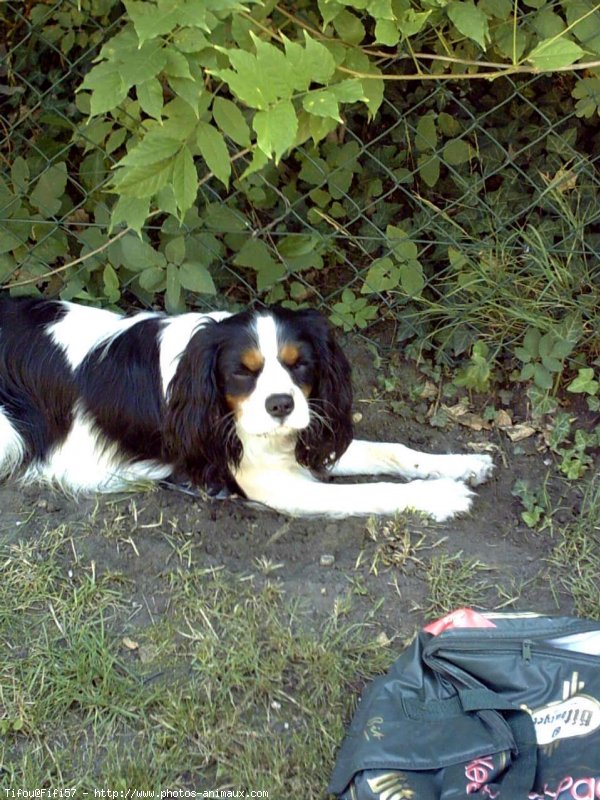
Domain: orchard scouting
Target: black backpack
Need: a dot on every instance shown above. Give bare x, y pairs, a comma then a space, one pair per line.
481, 705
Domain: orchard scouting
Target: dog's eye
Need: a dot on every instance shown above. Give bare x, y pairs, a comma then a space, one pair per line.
244, 372
300, 366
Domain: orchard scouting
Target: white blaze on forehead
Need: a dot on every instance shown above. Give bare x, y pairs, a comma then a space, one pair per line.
266, 335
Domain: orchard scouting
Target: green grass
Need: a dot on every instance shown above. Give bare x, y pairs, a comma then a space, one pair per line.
454, 581
574, 562
229, 688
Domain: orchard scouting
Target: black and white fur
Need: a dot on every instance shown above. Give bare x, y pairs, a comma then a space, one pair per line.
258, 401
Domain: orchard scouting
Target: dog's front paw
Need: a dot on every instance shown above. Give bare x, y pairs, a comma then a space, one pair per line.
471, 469
441, 498
479, 469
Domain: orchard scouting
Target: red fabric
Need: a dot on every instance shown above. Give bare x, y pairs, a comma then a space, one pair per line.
460, 618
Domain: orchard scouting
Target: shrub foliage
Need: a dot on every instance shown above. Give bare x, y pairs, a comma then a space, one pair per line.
427, 162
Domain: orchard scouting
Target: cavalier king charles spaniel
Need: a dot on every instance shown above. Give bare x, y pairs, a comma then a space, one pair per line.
257, 402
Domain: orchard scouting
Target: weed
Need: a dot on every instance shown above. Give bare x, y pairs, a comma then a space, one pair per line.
454, 581
576, 555
536, 502
395, 544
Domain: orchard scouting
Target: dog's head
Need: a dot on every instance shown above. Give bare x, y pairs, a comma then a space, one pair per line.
271, 373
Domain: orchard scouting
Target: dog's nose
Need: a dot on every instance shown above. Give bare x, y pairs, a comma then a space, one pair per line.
279, 405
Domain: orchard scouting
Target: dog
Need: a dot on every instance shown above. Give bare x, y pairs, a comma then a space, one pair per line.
257, 402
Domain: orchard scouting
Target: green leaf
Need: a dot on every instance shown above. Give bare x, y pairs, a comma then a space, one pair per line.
153, 148
185, 180
587, 94
7, 263
547, 23
190, 40
338, 183
349, 28
276, 129
231, 121
411, 22
195, 277
372, 87
554, 53
527, 372
181, 116
469, 20
312, 63
426, 133
274, 68
111, 284
143, 181
130, 210
259, 81
386, 32
561, 348
256, 255
19, 174
244, 84
509, 42
175, 250
150, 96
546, 343
259, 160
348, 91
457, 151
501, 9
401, 246
541, 376
152, 19
47, 196
214, 151
224, 219
322, 103
429, 168
552, 364
531, 342
173, 300
297, 245
138, 255
152, 279
584, 382
411, 278
587, 30
177, 65
139, 64
328, 10
382, 276
107, 87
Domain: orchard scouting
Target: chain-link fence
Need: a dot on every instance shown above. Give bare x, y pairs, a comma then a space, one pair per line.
442, 217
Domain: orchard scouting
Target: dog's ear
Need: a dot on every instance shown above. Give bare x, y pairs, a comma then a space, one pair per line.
197, 434
330, 431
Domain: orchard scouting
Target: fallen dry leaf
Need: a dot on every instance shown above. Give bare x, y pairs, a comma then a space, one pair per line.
429, 391
503, 419
519, 432
461, 414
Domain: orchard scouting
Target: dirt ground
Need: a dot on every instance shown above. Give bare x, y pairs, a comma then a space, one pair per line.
144, 535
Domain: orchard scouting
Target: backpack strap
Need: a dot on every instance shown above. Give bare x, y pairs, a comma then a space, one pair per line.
519, 780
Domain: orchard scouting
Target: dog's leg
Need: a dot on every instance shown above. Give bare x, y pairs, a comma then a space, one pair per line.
382, 458
300, 494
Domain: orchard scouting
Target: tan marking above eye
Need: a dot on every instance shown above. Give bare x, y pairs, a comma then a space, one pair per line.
253, 360
289, 354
